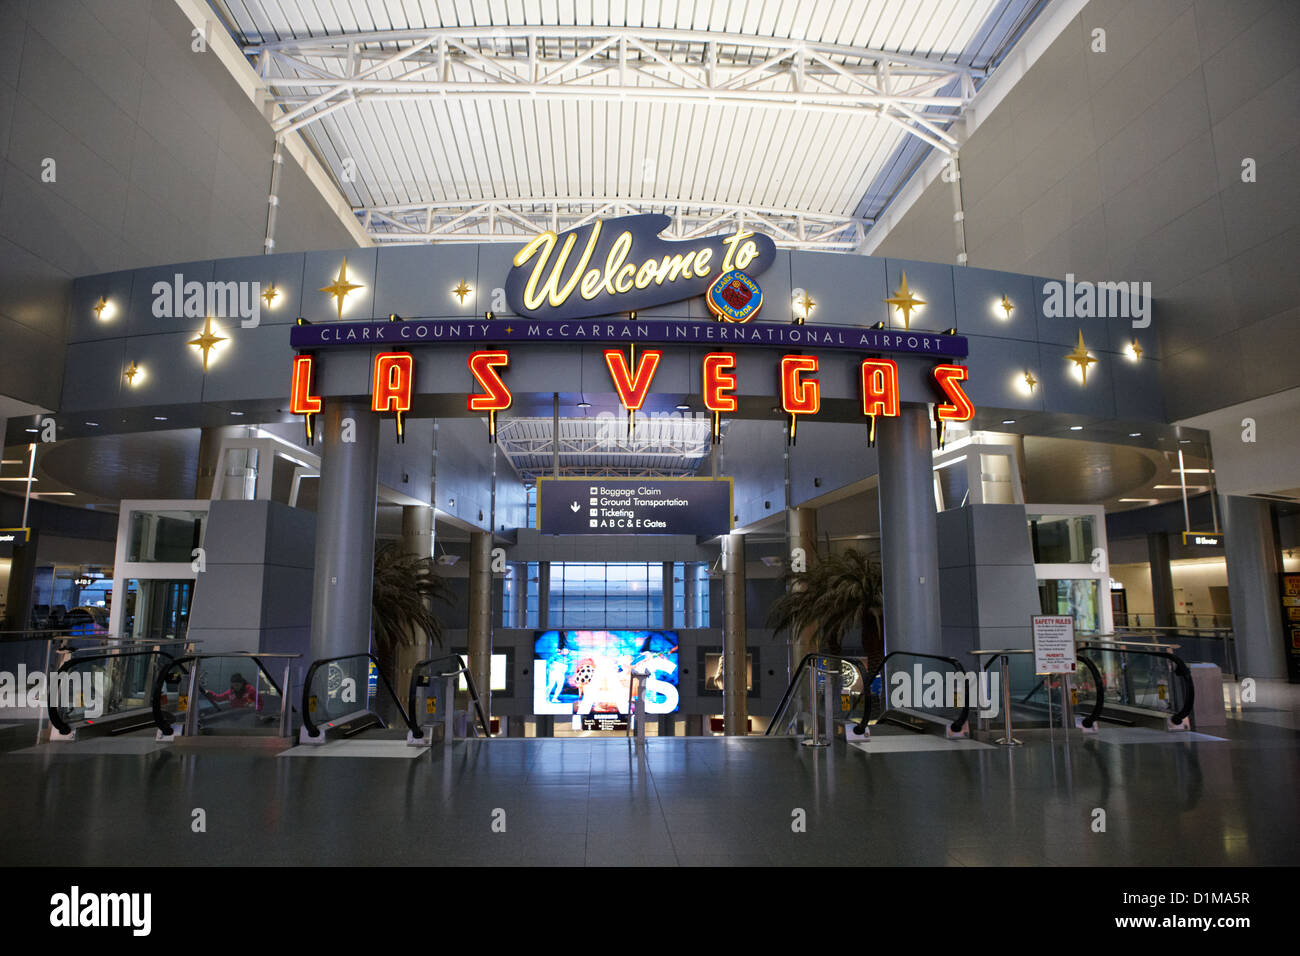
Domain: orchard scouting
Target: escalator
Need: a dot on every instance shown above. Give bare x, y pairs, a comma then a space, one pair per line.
226, 696
832, 695
431, 701
1140, 683
106, 691
349, 697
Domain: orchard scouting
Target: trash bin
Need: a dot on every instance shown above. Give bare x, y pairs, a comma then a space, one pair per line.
1207, 684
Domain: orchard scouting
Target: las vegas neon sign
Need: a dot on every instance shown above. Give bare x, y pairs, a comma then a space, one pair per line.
632, 378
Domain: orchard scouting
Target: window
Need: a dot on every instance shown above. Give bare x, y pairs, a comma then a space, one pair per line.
600, 596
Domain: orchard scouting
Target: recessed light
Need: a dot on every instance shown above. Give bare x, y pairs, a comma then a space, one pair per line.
1134, 434
584, 404
32, 431
1184, 441
1008, 421
237, 413
92, 424
160, 418
1076, 428
683, 407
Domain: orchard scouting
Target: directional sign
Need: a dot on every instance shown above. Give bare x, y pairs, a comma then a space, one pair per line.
698, 506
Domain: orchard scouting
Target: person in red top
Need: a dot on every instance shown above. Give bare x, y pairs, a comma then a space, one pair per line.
241, 693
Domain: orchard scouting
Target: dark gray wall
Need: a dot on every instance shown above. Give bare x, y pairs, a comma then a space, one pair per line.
160, 157
1127, 165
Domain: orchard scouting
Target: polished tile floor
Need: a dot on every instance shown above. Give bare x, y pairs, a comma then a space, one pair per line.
1168, 800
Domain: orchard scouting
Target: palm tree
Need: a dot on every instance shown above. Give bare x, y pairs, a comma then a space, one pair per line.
835, 593
405, 587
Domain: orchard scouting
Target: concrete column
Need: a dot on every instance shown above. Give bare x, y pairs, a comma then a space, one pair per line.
734, 712
801, 532
22, 579
690, 596
668, 596
519, 583
1162, 580
908, 532
480, 615
345, 530
1251, 553
417, 538
543, 594
209, 448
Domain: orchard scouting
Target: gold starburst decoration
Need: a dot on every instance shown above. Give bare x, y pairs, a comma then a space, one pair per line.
132, 371
1082, 358
807, 304
1030, 381
341, 286
100, 306
1137, 350
206, 341
1006, 305
905, 302
461, 291
270, 295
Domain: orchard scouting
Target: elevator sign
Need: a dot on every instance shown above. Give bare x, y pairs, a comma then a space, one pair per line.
696, 506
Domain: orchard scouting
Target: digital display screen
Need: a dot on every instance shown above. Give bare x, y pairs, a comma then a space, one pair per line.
712, 680
589, 673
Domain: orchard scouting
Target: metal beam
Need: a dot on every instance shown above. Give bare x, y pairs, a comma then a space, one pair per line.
515, 219
311, 77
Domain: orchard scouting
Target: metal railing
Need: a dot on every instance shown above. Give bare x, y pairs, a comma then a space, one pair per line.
448, 668
813, 664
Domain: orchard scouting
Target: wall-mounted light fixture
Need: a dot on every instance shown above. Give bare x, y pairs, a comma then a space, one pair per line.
134, 375
340, 288
207, 340
462, 290
905, 302
104, 309
1082, 358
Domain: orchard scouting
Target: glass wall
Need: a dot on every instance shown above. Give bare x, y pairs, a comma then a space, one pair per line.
1062, 539
606, 595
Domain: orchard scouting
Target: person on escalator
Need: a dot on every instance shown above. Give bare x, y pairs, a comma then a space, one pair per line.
241, 693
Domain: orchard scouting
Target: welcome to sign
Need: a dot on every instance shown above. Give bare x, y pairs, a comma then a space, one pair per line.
621, 265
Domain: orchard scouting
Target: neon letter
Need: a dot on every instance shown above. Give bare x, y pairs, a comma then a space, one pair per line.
799, 397
301, 400
959, 408
393, 374
718, 382
632, 391
484, 366
880, 387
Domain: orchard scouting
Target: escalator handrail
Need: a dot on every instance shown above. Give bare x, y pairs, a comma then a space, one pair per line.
1092, 718
155, 701
1180, 670
958, 722
794, 682
56, 719
461, 668
310, 726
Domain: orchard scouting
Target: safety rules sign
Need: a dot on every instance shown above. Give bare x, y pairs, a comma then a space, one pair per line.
1054, 645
